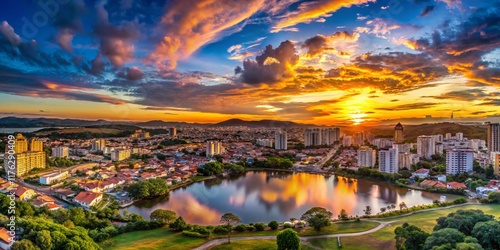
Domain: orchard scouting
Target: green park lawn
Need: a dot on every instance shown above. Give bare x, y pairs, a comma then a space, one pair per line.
384, 238
152, 239
248, 244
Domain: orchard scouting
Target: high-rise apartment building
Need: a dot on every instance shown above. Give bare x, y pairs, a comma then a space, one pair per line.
172, 132
493, 137
214, 148
366, 157
36, 145
426, 146
358, 138
120, 154
98, 145
495, 161
388, 160
336, 133
459, 136
281, 140
60, 151
347, 141
312, 137
328, 136
21, 145
26, 160
264, 142
140, 134
459, 161
447, 136
398, 133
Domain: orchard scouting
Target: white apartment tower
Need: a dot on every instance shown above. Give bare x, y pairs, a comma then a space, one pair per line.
214, 148
388, 161
459, 161
366, 157
60, 151
281, 140
426, 146
312, 137
98, 145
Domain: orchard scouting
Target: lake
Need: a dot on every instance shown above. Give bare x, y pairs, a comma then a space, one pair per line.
18, 130
266, 196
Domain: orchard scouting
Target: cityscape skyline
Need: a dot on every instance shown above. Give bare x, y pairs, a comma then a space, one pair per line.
325, 63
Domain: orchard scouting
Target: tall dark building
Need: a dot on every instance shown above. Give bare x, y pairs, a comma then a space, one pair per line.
398, 133
493, 137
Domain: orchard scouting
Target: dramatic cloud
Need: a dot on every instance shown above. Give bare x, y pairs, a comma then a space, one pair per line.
8, 33
68, 23
271, 66
132, 73
199, 24
319, 43
462, 48
428, 9
23, 85
391, 72
421, 105
115, 40
309, 11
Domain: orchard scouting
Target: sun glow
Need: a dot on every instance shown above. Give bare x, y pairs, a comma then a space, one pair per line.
358, 117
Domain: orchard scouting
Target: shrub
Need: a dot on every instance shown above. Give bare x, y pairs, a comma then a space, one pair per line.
201, 230
250, 228
288, 225
220, 230
273, 225
240, 228
193, 234
260, 226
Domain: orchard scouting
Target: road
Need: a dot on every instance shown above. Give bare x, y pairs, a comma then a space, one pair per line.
216, 242
327, 157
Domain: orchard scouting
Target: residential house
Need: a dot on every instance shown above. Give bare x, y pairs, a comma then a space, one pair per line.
24, 193
432, 184
422, 173
65, 194
6, 240
455, 185
88, 199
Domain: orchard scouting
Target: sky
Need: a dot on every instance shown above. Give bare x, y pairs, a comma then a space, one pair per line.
322, 62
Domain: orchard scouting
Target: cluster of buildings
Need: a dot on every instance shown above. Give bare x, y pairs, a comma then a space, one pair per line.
321, 136
28, 156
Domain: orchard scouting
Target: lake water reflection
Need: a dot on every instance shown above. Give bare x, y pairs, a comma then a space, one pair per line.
266, 196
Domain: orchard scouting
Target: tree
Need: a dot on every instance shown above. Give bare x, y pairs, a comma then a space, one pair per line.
317, 217
163, 215
343, 214
462, 220
24, 244
489, 172
488, 234
383, 209
402, 205
147, 189
494, 197
58, 239
368, 210
273, 225
44, 240
444, 236
229, 219
179, 224
410, 237
288, 240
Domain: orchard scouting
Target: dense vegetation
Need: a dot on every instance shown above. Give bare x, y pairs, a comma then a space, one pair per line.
146, 189
275, 163
464, 229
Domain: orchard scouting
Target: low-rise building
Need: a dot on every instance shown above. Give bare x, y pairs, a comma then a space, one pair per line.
88, 199
23, 193
6, 240
53, 177
422, 173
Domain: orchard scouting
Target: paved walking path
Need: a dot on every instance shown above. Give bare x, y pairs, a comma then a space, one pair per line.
216, 242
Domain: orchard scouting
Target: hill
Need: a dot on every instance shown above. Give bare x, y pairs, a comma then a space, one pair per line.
412, 131
261, 123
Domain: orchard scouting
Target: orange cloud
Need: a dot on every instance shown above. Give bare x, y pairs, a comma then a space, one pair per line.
201, 22
308, 12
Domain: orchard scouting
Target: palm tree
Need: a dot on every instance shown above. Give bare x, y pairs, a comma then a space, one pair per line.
383, 209
389, 207
402, 205
393, 206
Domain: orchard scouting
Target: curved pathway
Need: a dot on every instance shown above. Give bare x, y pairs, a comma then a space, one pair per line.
216, 242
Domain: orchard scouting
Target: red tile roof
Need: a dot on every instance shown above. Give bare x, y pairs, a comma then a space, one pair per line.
5, 235
87, 197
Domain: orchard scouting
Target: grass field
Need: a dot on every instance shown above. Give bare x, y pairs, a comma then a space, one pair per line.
156, 239
384, 238
248, 244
